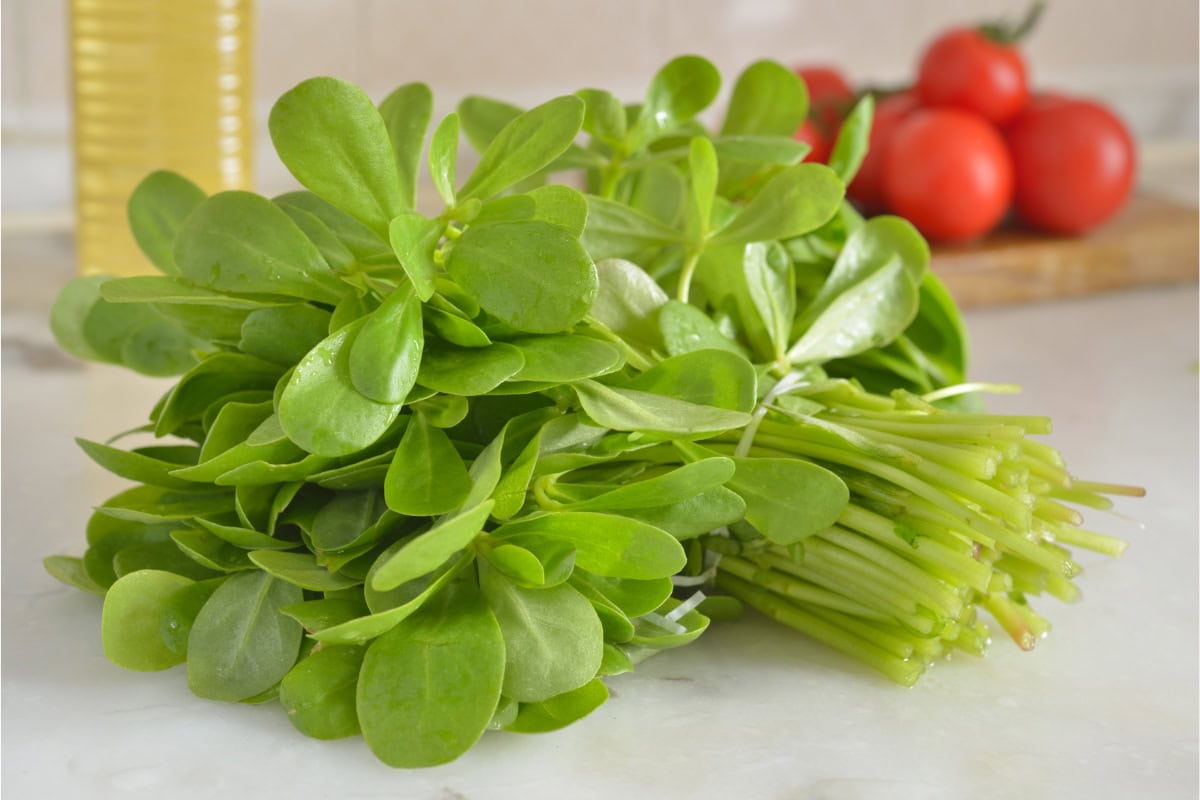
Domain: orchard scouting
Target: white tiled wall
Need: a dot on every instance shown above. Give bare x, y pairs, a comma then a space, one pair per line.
1138, 55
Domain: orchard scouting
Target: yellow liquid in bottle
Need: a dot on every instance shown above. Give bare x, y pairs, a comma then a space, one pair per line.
159, 84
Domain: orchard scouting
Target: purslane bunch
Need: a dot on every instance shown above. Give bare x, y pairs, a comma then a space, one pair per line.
427, 476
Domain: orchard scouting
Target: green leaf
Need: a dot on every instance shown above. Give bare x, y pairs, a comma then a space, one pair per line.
659, 192
406, 113
675, 486
134, 466
132, 623
615, 230
469, 372
532, 275
562, 359
508, 208
870, 296
341, 520
633, 597
769, 99
510, 490
443, 410
870, 315
414, 239
516, 563
316, 615
215, 377
211, 551
797, 200
716, 378
427, 475
938, 330
651, 635
175, 291
239, 242
162, 556
771, 291
158, 206
70, 312
443, 158
320, 693
632, 410
525, 145
605, 544
560, 711
628, 302
553, 640
300, 569
283, 335
454, 329
400, 605
788, 500
386, 353
244, 538
320, 409
335, 252
331, 137
71, 571
702, 186
428, 687
760, 150
483, 118
561, 206
241, 644
679, 91
366, 245
687, 329
604, 116
433, 548
705, 512
852, 140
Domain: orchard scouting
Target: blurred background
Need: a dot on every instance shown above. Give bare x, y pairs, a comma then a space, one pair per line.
1139, 57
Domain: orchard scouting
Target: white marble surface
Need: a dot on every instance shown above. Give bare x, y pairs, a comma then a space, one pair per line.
1104, 708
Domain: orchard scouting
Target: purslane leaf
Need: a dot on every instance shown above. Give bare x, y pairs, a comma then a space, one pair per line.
524, 146
406, 112
331, 137
428, 687
532, 275
158, 206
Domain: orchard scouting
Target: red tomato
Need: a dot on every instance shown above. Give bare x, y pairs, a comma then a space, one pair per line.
1074, 164
867, 186
965, 69
829, 95
949, 173
821, 147
824, 83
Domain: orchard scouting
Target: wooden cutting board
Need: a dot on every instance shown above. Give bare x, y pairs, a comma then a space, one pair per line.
1152, 241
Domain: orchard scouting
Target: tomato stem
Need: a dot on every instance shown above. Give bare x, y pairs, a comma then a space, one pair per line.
1004, 32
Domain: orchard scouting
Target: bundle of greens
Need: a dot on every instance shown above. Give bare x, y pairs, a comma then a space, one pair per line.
434, 475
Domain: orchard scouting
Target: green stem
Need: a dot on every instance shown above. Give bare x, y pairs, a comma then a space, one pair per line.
610, 177
635, 359
797, 590
905, 672
685, 275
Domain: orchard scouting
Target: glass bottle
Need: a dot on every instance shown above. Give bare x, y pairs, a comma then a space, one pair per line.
158, 84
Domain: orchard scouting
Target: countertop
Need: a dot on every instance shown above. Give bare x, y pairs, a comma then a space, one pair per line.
1106, 707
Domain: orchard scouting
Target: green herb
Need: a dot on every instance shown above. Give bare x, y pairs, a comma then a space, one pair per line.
440, 474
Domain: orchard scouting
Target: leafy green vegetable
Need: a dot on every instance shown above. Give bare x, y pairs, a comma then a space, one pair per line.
473, 455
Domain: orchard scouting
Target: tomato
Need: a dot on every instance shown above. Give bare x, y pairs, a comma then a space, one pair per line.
829, 95
867, 186
1073, 162
965, 69
821, 146
949, 173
